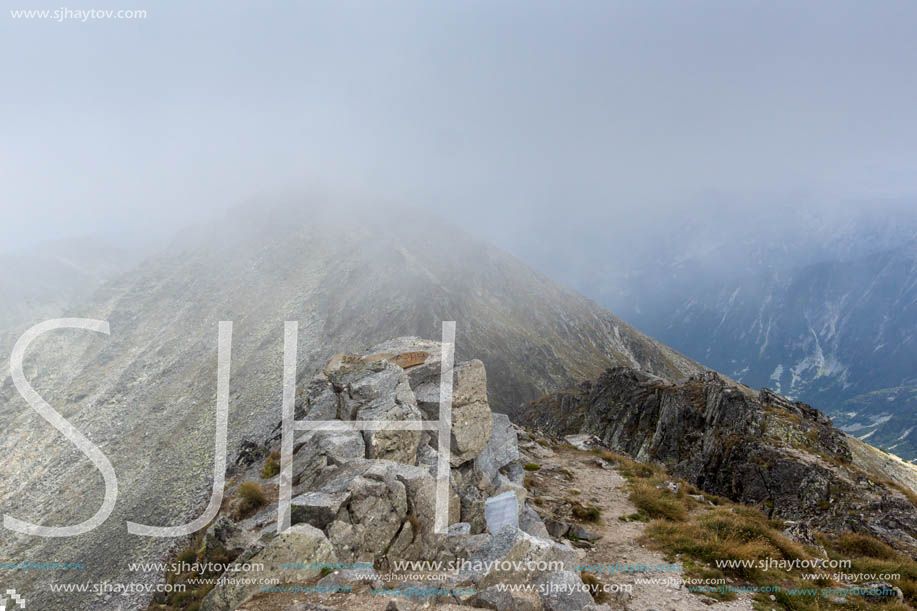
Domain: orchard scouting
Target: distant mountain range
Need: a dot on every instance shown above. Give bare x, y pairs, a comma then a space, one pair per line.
828, 317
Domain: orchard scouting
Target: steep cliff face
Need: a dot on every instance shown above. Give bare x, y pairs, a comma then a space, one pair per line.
756, 448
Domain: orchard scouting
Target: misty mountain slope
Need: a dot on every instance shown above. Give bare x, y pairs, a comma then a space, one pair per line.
841, 335
352, 278
44, 280
713, 245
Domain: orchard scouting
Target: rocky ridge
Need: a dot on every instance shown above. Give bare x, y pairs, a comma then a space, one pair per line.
368, 497
757, 448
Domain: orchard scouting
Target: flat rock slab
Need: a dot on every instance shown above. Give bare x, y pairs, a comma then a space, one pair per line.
317, 508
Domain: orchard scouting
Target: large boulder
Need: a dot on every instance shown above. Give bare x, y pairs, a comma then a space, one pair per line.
314, 451
300, 546
472, 488
531, 522
514, 556
319, 402
377, 509
471, 415
563, 591
317, 508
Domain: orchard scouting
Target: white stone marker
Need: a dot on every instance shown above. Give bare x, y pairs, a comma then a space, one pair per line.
501, 511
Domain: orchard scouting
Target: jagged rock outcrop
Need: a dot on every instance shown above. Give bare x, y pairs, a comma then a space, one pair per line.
370, 497
471, 414
756, 448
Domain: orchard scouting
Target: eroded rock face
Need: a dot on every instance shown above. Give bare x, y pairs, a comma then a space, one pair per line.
501, 449
755, 448
301, 544
389, 512
317, 508
471, 415
315, 451
378, 390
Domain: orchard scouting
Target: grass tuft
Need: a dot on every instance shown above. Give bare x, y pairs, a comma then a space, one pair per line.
658, 503
271, 465
251, 498
588, 513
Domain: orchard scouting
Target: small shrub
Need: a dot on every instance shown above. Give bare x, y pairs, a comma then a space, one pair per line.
251, 498
180, 598
218, 554
251, 491
271, 465
186, 555
531, 466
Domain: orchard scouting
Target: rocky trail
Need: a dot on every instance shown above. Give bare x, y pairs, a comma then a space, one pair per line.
568, 473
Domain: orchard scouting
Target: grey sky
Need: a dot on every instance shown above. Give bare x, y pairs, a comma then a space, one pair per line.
565, 112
